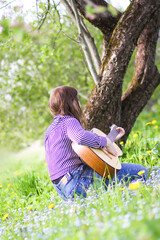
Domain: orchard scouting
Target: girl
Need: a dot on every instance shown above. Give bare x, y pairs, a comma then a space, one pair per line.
68, 173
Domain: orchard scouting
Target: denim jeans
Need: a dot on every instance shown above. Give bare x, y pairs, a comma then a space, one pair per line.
78, 180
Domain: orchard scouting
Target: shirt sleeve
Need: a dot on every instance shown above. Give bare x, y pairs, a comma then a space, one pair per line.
83, 137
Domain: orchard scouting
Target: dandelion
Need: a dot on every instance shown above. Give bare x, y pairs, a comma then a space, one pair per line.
121, 189
135, 135
159, 187
18, 172
12, 192
9, 184
75, 208
156, 126
5, 216
129, 143
149, 123
51, 206
121, 143
149, 152
134, 186
154, 122
141, 172
137, 131
45, 164
30, 208
85, 227
141, 158
0, 186
99, 213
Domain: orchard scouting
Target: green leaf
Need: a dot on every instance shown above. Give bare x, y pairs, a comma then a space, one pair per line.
112, 10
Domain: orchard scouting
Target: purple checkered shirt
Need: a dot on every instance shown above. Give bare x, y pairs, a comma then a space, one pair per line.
60, 156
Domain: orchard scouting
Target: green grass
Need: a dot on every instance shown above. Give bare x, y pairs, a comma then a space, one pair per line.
34, 211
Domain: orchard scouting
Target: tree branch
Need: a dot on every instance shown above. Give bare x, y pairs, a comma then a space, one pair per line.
7, 4
59, 17
69, 10
104, 21
88, 38
45, 15
84, 44
92, 47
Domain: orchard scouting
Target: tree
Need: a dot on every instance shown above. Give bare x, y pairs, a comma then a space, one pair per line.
33, 62
137, 27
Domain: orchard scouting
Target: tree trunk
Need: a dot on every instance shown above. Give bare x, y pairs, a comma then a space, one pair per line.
105, 106
146, 76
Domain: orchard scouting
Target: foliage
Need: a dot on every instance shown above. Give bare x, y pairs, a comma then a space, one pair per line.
31, 65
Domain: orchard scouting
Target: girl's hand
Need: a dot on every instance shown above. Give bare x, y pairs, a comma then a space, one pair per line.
110, 148
120, 134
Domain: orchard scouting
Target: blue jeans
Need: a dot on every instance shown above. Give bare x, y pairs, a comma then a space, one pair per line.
78, 180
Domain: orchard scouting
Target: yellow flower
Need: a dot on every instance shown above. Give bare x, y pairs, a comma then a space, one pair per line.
156, 126
0, 186
51, 206
12, 192
137, 131
129, 142
141, 172
121, 143
9, 184
18, 172
135, 135
141, 158
5, 216
85, 227
159, 187
149, 123
134, 186
30, 208
149, 152
154, 122
121, 189
45, 164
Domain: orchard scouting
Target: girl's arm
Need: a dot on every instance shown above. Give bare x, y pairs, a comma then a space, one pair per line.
83, 137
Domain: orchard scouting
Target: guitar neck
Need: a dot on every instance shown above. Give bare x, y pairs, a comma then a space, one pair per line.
113, 134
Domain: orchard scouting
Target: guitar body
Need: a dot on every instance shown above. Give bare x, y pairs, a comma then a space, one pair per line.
99, 160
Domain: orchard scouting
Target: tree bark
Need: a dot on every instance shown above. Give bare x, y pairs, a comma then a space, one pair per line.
146, 76
84, 44
88, 38
104, 106
106, 22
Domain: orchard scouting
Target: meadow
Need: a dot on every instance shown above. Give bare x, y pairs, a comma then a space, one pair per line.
31, 209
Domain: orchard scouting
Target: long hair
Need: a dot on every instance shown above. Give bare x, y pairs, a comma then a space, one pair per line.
64, 101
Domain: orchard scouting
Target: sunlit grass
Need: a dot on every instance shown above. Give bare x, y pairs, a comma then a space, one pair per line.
14, 164
31, 209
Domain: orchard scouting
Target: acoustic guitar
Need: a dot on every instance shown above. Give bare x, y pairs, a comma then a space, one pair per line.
99, 159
